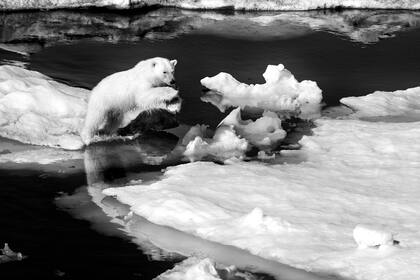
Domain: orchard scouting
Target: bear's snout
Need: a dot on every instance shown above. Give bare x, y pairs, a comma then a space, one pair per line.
173, 84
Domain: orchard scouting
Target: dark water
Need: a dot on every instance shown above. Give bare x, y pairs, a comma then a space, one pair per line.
82, 48
340, 67
57, 245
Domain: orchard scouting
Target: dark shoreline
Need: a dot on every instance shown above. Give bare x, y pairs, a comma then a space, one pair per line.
137, 9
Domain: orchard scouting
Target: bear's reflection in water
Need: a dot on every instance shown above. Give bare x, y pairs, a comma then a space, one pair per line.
140, 162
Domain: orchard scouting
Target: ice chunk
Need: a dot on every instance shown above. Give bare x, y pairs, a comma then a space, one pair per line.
372, 236
265, 132
400, 104
192, 269
225, 144
7, 255
281, 93
34, 109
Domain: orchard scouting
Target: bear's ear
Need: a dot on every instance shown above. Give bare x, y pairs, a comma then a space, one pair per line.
154, 64
174, 62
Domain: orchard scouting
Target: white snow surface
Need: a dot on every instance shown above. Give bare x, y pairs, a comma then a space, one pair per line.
303, 214
280, 93
35, 109
215, 4
401, 104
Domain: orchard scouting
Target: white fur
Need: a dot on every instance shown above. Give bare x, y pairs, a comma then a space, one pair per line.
120, 97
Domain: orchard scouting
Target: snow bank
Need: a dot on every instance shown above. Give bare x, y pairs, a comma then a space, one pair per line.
400, 104
34, 109
215, 4
264, 133
281, 93
304, 214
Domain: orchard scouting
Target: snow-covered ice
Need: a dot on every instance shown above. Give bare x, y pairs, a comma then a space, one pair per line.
35, 109
215, 4
304, 214
281, 92
398, 105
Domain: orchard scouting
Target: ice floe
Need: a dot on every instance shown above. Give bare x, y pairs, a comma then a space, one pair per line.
303, 214
398, 105
281, 93
35, 109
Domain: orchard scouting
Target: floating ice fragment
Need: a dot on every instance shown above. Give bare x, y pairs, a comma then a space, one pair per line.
8, 255
372, 236
225, 144
265, 132
281, 93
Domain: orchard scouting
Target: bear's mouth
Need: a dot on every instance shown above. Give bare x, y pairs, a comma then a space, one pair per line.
173, 101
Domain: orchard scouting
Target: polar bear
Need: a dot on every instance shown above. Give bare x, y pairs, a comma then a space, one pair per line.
120, 97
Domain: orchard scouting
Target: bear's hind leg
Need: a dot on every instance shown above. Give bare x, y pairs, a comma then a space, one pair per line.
94, 120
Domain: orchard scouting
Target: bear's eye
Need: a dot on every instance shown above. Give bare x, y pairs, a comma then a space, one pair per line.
164, 72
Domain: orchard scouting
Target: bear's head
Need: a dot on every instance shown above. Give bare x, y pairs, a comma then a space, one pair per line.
158, 71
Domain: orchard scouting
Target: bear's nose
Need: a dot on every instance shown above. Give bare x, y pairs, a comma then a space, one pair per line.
173, 84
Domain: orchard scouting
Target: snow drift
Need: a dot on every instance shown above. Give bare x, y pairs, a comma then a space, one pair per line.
34, 109
281, 93
304, 214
